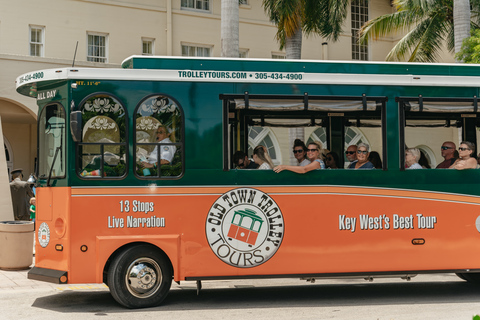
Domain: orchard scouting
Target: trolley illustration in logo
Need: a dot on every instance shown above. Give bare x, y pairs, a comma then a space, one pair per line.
245, 226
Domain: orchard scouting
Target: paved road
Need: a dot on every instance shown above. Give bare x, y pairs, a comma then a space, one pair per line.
425, 297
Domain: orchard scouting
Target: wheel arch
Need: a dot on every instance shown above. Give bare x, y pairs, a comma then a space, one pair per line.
109, 248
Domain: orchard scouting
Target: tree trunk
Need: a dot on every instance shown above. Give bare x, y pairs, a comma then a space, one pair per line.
461, 21
293, 48
229, 33
293, 45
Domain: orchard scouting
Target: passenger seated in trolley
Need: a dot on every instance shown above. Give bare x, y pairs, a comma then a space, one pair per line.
466, 161
241, 161
375, 159
166, 153
261, 157
300, 153
412, 155
314, 151
332, 161
363, 151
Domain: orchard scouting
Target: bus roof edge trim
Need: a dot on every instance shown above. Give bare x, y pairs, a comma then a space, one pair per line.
234, 76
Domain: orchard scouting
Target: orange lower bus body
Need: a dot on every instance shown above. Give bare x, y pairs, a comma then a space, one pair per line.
309, 231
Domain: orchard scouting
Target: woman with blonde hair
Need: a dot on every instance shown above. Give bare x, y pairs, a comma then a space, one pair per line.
261, 157
412, 155
314, 154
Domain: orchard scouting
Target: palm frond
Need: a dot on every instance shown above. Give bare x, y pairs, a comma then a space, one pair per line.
423, 42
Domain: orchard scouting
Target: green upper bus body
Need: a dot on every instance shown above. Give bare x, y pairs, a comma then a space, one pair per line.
96, 120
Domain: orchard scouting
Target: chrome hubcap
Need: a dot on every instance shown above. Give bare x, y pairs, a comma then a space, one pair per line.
143, 277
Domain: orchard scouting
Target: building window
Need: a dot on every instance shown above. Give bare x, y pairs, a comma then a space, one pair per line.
97, 48
36, 41
195, 51
148, 47
278, 56
243, 53
359, 17
244, 2
196, 4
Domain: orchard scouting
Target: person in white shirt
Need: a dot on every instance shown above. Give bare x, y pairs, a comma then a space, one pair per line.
412, 155
166, 151
261, 157
300, 153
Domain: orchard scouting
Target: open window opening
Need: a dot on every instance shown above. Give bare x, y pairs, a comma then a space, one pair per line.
427, 123
275, 121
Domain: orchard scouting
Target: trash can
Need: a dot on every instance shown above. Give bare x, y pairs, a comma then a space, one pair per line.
16, 244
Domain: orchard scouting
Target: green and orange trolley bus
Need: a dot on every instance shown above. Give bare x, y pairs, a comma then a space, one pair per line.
108, 213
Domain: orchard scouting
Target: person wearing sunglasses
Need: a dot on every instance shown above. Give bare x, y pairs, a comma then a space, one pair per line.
448, 149
466, 161
300, 153
363, 151
351, 153
241, 161
332, 161
412, 155
314, 151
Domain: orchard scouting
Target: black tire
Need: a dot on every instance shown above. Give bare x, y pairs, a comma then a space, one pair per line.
471, 277
149, 267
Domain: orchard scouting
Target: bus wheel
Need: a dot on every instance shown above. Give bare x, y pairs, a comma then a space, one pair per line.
470, 277
140, 277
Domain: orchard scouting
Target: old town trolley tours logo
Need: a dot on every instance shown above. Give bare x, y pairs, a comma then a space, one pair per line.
244, 227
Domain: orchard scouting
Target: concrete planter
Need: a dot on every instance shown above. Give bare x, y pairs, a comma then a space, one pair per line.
16, 244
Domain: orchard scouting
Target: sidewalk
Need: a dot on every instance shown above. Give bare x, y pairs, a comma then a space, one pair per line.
17, 280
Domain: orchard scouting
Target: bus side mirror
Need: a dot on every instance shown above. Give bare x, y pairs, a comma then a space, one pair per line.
76, 125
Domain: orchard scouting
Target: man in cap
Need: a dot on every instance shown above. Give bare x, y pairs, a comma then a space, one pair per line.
21, 194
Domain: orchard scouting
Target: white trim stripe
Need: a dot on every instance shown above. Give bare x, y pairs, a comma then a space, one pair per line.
236, 76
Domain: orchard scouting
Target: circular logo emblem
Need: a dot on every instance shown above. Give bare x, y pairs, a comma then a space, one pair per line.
43, 235
244, 227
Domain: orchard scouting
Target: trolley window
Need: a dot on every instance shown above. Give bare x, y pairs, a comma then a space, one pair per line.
426, 123
275, 121
102, 150
158, 138
51, 142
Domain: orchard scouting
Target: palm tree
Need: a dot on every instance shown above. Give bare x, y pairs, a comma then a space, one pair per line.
229, 30
293, 17
461, 19
427, 25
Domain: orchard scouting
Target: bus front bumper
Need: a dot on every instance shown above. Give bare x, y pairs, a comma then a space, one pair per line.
48, 275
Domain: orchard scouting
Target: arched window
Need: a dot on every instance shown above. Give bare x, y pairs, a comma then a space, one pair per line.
352, 136
319, 135
158, 135
102, 152
265, 137
429, 154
